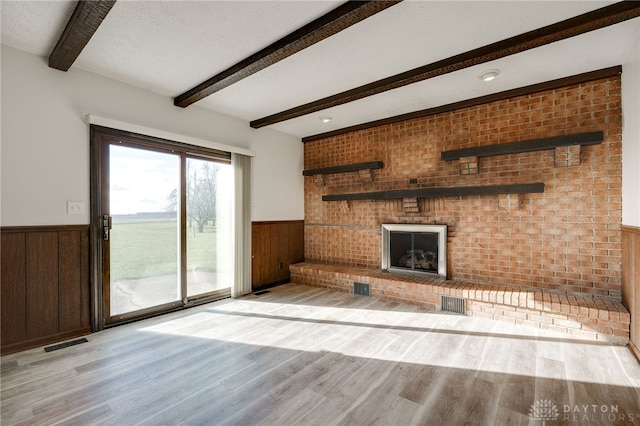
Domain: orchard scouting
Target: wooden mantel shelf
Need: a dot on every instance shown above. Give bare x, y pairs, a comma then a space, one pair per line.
591, 138
525, 188
344, 168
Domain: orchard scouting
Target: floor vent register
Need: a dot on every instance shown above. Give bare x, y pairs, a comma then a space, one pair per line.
361, 289
453, 304
65, 344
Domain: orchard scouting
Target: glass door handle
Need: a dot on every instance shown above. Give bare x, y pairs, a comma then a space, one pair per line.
106, 226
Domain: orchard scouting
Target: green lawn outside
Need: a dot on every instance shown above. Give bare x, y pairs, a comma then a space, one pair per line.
148, 249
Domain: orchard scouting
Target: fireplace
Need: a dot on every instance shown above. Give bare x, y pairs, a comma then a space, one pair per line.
415, 249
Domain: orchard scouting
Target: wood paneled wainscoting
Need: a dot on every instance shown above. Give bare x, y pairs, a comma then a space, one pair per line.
44, 285
274, 246
631, 281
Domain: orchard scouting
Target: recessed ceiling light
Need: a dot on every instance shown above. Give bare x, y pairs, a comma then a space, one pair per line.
489, 75
326, 119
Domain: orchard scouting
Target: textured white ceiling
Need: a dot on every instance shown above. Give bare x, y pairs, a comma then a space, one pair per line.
170, 46
34, 26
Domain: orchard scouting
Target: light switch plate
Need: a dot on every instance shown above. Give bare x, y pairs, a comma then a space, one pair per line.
75, 207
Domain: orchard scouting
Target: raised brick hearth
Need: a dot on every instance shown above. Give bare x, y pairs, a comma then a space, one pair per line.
583, 317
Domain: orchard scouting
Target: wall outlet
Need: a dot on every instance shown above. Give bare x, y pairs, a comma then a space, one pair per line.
75, 207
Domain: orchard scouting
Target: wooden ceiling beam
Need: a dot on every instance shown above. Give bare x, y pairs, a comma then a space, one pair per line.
338, 19
85, 20
597, 19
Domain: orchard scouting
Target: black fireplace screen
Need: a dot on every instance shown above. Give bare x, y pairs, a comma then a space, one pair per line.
414, 250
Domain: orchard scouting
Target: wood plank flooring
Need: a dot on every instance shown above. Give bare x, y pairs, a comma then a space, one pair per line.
308, 356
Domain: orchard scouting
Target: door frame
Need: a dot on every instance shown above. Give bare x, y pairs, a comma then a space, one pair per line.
99, 163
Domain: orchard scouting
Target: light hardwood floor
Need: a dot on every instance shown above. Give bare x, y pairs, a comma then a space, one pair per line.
307, 356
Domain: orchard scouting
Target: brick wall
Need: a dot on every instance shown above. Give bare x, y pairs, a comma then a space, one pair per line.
566, 239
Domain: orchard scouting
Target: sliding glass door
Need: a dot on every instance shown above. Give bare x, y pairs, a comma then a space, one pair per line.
144, 241
209, 233
165, 217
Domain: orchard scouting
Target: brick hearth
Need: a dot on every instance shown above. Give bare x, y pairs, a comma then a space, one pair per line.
584, 317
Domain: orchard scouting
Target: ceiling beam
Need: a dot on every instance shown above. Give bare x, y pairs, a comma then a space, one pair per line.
507, 94
338, 19
85, 20
597, 19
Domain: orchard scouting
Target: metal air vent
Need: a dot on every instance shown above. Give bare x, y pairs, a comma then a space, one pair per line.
453, 304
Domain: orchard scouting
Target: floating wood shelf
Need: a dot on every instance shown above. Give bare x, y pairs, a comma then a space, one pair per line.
591, 138
345, 168
439, 192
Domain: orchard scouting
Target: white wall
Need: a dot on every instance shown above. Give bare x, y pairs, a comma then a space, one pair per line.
45, 143
631, 137
272, 193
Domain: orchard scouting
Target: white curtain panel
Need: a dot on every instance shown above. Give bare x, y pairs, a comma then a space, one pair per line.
242, 165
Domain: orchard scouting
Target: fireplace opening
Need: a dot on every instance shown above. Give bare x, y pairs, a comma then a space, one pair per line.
414, 249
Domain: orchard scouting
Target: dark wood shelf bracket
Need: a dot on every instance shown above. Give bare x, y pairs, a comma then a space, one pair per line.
526, 188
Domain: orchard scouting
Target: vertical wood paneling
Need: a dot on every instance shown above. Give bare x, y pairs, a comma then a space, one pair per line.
283, 252
264, 253
628, 268
635, 335
256, 259
272, 271
275, 243
85, 300
42, 284
70, 294
296, 241
631, 281
635, 320
13, 248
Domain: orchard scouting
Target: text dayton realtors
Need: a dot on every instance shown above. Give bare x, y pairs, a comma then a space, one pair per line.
595, 412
